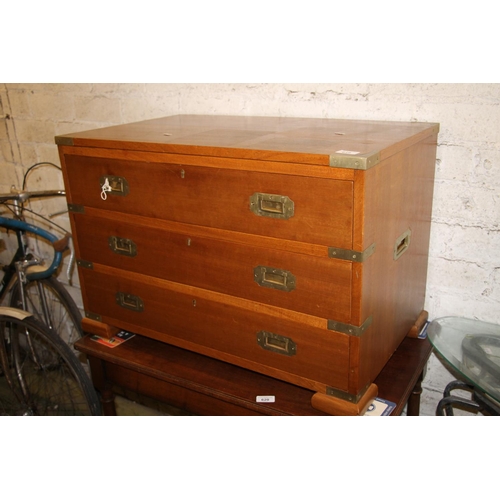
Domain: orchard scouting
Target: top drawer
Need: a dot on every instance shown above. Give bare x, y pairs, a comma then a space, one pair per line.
292, 207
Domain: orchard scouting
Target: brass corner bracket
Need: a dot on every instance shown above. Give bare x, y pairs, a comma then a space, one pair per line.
354, 160
352, 255
355, 331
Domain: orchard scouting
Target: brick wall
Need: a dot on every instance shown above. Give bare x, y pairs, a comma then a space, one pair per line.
464, 268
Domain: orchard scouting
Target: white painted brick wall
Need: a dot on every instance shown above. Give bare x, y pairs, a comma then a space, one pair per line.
464, 267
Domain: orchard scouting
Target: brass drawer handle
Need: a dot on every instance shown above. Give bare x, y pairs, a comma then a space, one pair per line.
272, 205
122, 246
129, 301
113, 184
279, 279
276, 343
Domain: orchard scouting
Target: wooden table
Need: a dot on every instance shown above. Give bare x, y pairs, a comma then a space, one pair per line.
199, 385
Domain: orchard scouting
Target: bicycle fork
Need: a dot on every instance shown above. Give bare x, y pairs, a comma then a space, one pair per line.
43, 305
21, 267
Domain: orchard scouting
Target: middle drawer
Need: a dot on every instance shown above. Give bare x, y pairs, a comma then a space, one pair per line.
311, 284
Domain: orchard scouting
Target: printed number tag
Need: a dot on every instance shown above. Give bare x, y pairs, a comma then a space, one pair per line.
265, 399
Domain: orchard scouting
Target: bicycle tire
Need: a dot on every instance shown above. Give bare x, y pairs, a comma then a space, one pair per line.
47, 375
62, 315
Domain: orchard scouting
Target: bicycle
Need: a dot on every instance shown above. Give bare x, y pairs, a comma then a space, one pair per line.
32, 286
40, 374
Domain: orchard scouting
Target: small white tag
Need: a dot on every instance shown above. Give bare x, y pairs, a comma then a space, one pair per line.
344, 152
265, 399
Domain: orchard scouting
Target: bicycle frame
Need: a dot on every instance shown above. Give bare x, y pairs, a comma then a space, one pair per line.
20, 228
20, 262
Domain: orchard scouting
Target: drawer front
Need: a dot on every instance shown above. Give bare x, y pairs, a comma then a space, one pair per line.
319, 286
291, 207
198, 322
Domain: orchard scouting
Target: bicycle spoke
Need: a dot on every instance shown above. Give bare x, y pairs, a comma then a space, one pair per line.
45, 377
50, 303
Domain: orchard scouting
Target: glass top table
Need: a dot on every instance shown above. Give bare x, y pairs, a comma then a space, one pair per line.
473, 348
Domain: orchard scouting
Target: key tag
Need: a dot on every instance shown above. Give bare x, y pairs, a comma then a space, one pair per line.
106, 188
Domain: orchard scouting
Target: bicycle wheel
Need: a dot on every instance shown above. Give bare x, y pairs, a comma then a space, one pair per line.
51, 304
11, 398
48, 378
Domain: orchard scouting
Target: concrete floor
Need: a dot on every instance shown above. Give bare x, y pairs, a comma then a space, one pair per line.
127, 408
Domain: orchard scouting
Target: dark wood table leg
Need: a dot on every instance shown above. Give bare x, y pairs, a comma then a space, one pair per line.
102, 385
108, 400
413, 408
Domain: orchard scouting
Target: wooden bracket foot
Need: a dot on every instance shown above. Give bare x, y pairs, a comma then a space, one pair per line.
419, 323
98, 328
341, 407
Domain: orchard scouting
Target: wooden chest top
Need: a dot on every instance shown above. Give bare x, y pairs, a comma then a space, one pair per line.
336, 143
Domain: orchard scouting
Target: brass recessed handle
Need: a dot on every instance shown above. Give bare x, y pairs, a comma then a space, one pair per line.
113, 184
129, 301
279, 279
122, 246
275, 206
276, 343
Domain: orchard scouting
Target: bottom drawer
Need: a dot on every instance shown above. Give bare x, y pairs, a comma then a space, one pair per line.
280, 343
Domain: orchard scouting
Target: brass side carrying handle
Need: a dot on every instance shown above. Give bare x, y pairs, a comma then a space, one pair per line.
129, 301
275, 206
402, 244
276, 343
122, 246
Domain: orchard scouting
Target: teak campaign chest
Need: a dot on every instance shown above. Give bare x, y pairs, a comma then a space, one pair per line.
293, 247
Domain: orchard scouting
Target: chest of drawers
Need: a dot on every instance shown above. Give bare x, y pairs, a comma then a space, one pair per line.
293, 247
